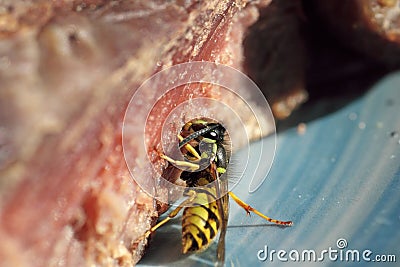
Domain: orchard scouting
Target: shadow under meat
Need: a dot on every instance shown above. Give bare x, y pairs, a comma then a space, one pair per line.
290, 52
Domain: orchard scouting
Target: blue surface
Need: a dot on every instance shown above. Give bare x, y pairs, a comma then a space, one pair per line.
340, 179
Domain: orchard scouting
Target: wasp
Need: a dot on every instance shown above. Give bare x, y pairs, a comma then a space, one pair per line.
205, 211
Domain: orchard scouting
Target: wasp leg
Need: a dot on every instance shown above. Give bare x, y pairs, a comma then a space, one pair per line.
248, 208
171, 215
190, 148
191, 166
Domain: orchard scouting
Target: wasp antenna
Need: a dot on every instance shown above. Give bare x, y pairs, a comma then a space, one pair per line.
196, 134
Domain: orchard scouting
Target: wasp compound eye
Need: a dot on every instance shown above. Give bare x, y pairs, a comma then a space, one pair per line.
182, 96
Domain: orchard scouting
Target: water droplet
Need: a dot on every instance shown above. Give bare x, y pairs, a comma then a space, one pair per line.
301, 128
394, 134
353, 116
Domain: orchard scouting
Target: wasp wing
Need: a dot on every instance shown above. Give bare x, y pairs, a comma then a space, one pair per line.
224, 212
223, 207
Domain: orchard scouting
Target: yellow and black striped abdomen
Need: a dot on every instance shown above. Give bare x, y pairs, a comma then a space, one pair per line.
201, 222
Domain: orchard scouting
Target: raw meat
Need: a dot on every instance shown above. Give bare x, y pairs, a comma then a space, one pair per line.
67, 72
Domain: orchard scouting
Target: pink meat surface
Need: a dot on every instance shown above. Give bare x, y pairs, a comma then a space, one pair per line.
67, 72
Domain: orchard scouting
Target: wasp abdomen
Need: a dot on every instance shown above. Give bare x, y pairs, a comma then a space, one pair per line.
201, 222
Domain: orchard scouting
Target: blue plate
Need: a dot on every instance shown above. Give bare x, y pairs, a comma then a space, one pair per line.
339, 183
